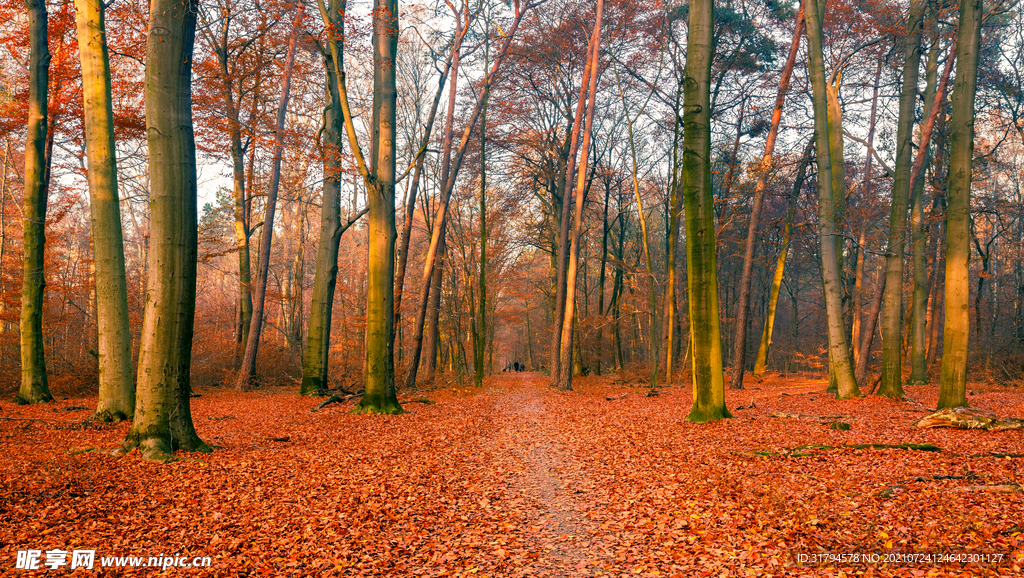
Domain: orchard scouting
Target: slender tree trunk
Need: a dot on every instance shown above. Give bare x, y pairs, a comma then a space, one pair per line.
410, 207
764, 170
248, 369
953, 384
675, 210
868, 330
701, 259
780, 267
934, 96
839, 352
450, 172
479, 342
561, 294
892, 315
572, 267
321, 307
116, 383
34, 384
601, 277
866, 196
163, 418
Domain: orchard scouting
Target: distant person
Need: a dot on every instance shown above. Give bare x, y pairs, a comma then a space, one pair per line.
516, 365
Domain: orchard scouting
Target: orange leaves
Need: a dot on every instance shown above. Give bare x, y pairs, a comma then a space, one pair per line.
516, 480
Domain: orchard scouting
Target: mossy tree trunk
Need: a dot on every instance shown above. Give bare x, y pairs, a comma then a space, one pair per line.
839, 352
698, 200
318, 334
163, 418
480, 327
35, 387
380, 395
892, 312
116, 384
953, 384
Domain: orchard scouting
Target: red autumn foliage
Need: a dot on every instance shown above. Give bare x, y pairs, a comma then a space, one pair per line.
517, 480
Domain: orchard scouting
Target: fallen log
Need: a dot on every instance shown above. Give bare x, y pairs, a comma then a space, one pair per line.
615, 397
969, 418
999, 489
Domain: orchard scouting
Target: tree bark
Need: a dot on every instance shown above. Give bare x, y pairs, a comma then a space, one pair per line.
480, 328
953, 384
839, 351
572, 267
892, 313
116, 382
764, 170
701, 259
35, 387
380, 395
163, 417
247, 371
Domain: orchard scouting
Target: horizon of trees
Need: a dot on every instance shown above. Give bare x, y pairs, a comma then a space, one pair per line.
405, 191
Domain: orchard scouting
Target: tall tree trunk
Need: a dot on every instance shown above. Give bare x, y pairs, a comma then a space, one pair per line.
780, 267
764, 170
868, 329
918, 228
34, 384
839, 351
866, 195
247, 371
892, 314
321, 307
953, 384
701, 259
479, 341
601, 278
674, 210
116, 383
418, 162
163, 417
561, 295
572, 267
380, 395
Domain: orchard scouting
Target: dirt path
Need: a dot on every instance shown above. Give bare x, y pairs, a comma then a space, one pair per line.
548, 486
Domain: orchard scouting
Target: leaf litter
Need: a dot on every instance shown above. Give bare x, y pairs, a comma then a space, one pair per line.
516, 479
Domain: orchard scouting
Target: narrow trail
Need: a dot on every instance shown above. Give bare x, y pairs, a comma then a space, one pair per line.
548, 485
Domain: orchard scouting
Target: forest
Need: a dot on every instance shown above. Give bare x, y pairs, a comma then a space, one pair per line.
512, 288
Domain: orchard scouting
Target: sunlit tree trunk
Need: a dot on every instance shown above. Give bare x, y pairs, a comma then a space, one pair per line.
34, 384
247, 371
163, 417
839, 352
764, 170
701, 260
572, 266
953, 384
380, 395
892, 313
780, 266
116, 384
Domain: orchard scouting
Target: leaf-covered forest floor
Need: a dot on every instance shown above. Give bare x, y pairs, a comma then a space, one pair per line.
516, 479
